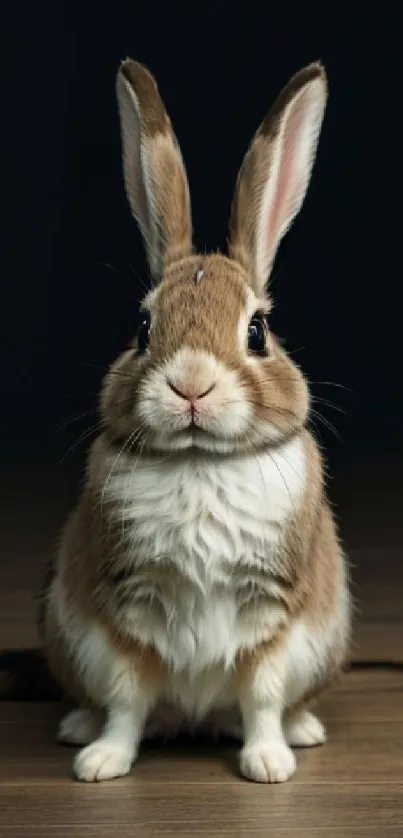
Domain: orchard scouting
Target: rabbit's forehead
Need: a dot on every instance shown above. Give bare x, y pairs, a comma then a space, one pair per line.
211, 288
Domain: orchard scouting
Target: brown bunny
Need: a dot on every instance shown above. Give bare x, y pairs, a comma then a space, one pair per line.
199, 580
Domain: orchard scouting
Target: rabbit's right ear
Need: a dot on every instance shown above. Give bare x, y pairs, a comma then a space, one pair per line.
275, 174
154, 174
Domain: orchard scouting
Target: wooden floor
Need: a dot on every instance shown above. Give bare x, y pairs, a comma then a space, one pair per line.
352, 786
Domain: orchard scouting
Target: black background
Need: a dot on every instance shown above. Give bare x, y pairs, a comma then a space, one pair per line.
71, 254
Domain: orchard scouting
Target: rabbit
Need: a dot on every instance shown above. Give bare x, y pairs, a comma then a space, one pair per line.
200, 583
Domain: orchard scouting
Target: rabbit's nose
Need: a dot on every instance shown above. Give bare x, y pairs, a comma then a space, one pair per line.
188, 393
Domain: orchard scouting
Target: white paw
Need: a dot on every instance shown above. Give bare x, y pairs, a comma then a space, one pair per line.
102, 760
304, 730
268, 762
80, 727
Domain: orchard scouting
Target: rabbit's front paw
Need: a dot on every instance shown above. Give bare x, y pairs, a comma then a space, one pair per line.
102, 760
268, 762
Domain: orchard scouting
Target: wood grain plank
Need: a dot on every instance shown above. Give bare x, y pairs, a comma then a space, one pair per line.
153, 810
126, 831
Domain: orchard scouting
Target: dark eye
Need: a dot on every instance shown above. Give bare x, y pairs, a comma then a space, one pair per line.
257, 336
144, 332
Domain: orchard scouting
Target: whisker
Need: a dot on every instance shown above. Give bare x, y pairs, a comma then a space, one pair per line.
326, 424
261, 474
334, 384
329, 404
76, 417
124, 273
129, 485
282, 477
280, 379
106, 370
311, 381
111, 267
140, 279
123, 402
282, 410
287, 426
125, 276
316, 434
289, 463
128, 400
129, 441
85, 435
254, 403
121, 451
294, 351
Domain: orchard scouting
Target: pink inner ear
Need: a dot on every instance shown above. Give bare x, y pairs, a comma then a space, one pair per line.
291, 177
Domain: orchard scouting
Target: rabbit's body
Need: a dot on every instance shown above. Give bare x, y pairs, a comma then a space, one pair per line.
204, 580
200, 581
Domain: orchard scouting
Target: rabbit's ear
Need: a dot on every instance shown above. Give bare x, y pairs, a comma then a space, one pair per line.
275, 173
154, 174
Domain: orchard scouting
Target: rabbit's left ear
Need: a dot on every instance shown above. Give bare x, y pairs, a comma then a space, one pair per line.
154, 173
275, 174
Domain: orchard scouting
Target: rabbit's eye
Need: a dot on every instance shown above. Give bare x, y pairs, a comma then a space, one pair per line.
144, 332
257, 336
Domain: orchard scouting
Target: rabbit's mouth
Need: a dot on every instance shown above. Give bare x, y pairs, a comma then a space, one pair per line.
194, 431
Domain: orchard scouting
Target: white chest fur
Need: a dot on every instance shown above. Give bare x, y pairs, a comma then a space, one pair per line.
204, 542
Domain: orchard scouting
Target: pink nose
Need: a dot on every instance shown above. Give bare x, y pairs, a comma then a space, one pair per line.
189, 395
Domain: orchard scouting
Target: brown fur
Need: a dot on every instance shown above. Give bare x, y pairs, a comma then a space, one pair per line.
86, 562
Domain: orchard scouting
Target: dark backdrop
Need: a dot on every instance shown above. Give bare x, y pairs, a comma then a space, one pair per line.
71, 254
